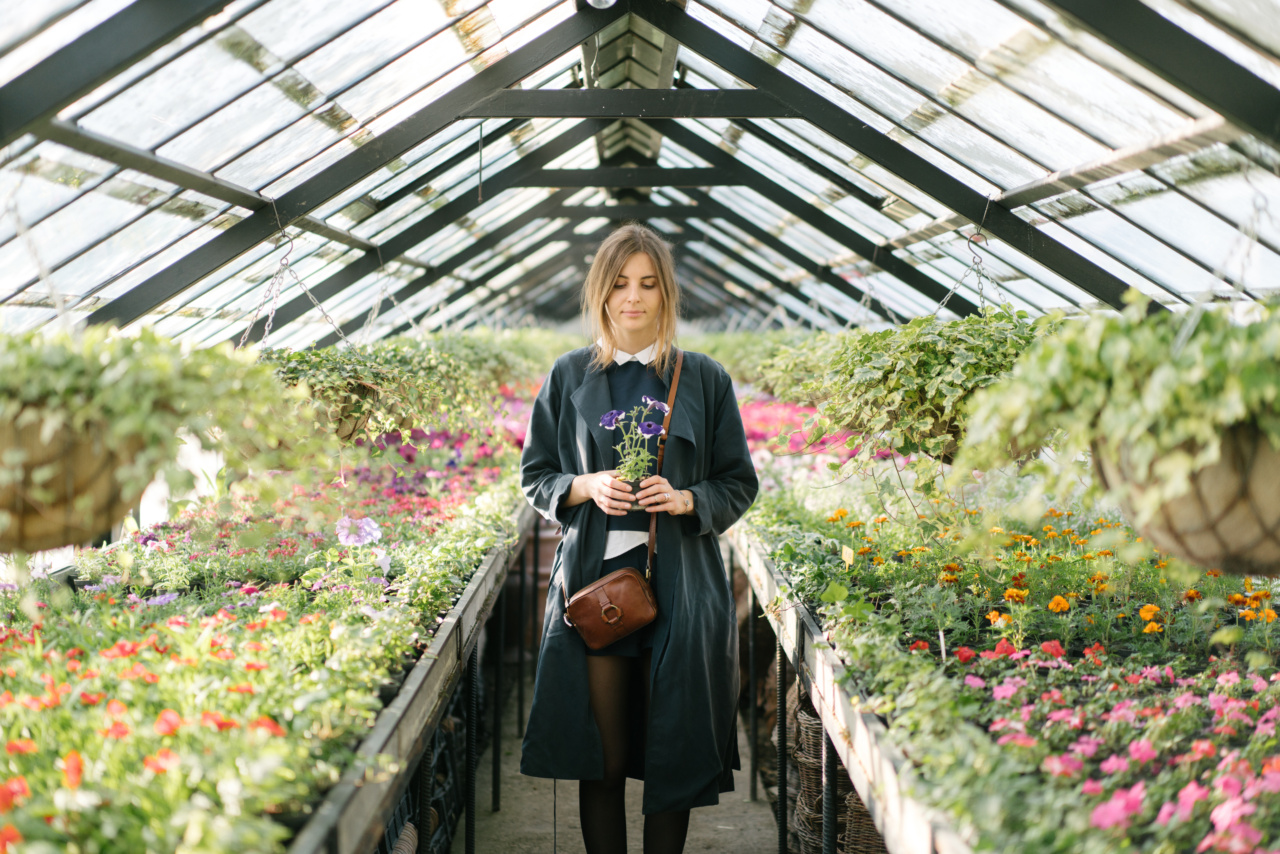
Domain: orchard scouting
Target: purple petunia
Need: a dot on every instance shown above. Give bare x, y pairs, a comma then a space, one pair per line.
357, 532
655, 404
648, 429
610, 419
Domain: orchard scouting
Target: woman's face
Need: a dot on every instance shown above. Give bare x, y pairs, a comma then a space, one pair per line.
636, 300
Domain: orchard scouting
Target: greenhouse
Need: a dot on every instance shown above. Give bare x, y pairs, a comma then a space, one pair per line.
801, 425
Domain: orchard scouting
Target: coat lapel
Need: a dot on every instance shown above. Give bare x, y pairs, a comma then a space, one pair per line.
592, 400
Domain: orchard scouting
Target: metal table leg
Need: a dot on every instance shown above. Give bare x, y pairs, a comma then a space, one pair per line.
501, 607
473, 734
782, 750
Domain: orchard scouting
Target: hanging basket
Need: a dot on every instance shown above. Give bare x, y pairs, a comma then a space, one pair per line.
1229, 519
79, 500
345, 419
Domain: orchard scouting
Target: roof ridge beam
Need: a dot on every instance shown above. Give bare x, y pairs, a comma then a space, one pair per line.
631, 103
632, 176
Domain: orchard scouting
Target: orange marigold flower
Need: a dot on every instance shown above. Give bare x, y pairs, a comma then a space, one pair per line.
948, 578
163, 760
1214, 573
880, 519
854, 524
877, 560
1148, 612
994, 616
279, 614
1013, 594
168, 722
1268, 614
266, 723
21, 745
1237, 599
1057, 605
1106, 553
1193, 595
862, 551
1247, 615
242, 688
1152, 628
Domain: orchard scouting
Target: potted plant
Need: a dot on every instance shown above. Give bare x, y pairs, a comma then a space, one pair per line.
88, 419
904, 389
1186, 439
634, 458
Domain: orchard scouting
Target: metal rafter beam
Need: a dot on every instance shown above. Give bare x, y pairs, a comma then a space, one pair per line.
630, 103
440, 218
318, 189
76, 69
424, 181
716, 279
1169, 51
627, 211
696, 278
141, 160
888, 153
631, 176
825, 223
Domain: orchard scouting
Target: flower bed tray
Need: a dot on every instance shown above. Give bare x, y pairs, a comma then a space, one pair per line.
353, 815
879, 771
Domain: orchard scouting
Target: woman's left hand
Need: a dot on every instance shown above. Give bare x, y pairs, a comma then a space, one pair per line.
657, 494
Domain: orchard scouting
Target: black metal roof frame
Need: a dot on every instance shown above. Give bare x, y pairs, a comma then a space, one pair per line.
713, 189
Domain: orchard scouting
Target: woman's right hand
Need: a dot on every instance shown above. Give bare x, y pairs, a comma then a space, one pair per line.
603, 489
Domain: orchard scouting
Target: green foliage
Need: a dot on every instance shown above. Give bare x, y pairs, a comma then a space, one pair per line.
743, 354
904, 389
796, 372
1118, 380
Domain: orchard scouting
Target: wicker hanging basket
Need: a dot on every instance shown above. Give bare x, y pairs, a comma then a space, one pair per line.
343, 419
1230, 517
78, 500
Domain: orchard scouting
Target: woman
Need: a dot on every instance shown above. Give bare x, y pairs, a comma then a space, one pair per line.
658, 705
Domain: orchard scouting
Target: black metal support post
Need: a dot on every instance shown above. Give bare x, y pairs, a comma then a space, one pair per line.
829, 807
782, 750
520, 611
473, 737
533, 598
752, 688
501, 607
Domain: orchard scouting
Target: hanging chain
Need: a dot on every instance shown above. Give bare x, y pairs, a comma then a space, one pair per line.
289, 271
976, 266
869, 294
385, 293
271, 292
1244, 245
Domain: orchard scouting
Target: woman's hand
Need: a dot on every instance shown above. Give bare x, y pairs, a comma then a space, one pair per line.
657, 494
602, 489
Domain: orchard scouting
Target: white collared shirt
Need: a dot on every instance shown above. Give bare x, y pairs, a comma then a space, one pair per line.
619, 542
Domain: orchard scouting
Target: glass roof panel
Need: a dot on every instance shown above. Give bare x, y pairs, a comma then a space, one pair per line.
31, 31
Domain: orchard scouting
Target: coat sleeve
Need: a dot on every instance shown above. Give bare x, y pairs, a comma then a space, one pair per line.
542, 476
731, 483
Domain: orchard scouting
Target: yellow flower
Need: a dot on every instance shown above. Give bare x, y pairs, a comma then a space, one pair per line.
1192, 595
997, 530
1237, 599
1148, 612
854, 524
1057, 605
994, 617
865, 550
880, 519
838, 515
877, 560
1247, 615
1013, 594
951, 567
947, 578
1152, 628
1248, 584
1268, 614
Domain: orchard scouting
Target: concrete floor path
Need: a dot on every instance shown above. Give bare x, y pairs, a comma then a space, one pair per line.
523, 825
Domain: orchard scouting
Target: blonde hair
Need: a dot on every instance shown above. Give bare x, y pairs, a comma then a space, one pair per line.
613, 254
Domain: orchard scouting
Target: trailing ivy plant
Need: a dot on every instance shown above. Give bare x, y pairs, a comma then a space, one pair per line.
136, 397
904, 389
1120, 379
796, 372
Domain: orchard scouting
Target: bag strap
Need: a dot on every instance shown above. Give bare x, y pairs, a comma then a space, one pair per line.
662, 449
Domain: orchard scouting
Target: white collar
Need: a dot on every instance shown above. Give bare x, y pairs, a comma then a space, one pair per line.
644, 357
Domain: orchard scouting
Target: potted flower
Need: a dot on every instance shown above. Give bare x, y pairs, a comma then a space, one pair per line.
88, 419
634, 457
1186, 439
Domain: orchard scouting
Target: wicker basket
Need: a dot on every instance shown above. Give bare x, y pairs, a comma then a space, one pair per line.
860, 834
344, 423
407, 841
84, 497
1230, 517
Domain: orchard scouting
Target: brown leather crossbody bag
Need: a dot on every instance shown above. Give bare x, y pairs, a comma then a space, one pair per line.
610, 608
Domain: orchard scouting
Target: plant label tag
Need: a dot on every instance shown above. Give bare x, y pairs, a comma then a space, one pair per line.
847, 554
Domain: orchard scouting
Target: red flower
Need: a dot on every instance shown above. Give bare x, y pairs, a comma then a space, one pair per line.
965, 654
924, 645
1094, 651
17, 787
278, 614
168, 722
9, 835
255, 665
187, 662
224, 654
217, 721
115, 708
310, 618
91, 699
254, 646
268, 724
140, 672
242, 688
1053, 649
119, 729
177, 623
21, 745
72, 769
253, 627
164, 760
122, 649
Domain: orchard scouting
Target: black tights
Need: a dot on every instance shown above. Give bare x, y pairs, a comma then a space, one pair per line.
601, 802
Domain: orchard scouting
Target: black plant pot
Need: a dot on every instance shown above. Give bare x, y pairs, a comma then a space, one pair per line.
635, 487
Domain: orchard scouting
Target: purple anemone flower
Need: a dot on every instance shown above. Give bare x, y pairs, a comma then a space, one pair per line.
610, 418
655, 404
649, 429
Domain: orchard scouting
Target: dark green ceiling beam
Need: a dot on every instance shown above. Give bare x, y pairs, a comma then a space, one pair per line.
630, 103
631, 176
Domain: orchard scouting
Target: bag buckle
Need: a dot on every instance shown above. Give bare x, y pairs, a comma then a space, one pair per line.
617, 616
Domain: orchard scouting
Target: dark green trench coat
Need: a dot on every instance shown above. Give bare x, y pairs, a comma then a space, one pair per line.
690, 749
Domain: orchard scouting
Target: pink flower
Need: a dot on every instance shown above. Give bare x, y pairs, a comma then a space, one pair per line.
1166, 812
1064, 765
1259, 684
1004, 692
1141, 751
1120, 809
1226, 680
1182, 701
1018, 739
1231, 812
1091, 787
1086, 746
1191, 794
974, 681
1115, 764
1053, 649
